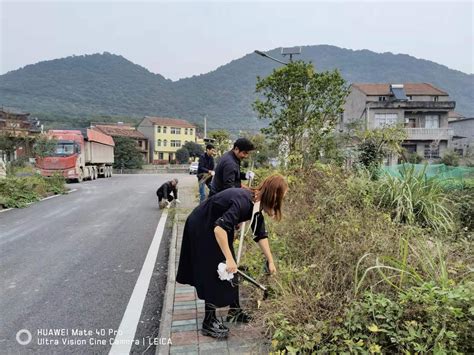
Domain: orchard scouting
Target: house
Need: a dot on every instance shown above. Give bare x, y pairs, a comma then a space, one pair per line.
126, 130
22, 127
463, 138
166, 136
422, 108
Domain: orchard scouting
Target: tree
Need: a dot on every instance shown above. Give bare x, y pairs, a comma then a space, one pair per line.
303, 106
222, 140
376, 144
264, 149
126, 154
44, 146
182, 155
194, 149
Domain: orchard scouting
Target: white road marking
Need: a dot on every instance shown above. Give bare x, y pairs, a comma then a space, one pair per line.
128, 326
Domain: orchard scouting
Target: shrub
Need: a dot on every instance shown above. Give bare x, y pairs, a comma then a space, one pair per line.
19, 191
413, 158
451, 158
415, 198
424, 319
331, 221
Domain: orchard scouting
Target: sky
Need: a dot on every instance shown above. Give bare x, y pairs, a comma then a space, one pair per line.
180, 39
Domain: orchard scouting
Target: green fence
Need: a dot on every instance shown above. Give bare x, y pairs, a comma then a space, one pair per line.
452, 176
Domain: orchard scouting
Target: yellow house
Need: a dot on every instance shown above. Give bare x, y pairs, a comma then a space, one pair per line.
166, 136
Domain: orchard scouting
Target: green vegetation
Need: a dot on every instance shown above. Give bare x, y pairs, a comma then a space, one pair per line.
127, 154
303, 106
65, 93
354, 278
194, 150
23, 186
370, 260
182, 156
414, 198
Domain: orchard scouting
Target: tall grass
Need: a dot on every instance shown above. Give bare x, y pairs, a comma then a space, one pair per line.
414, 198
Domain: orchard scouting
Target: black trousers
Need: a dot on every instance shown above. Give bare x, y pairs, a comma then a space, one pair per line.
160, 197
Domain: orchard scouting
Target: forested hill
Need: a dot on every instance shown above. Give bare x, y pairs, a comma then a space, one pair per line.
75, 90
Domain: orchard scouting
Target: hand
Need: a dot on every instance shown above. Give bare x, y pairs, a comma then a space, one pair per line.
271, 268
231, 265
178, 201
249, 175
212, 172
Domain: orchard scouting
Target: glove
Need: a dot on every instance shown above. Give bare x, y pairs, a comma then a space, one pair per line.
223, 274
249, 175
212, 173
178, 201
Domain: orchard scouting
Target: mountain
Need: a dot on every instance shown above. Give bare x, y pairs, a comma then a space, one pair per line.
76, 90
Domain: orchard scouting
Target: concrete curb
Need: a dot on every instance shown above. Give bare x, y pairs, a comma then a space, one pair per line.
167, 310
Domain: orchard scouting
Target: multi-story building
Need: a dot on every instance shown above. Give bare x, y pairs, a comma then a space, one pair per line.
463, 139
20, 125
166, 136
126, 130
422, 108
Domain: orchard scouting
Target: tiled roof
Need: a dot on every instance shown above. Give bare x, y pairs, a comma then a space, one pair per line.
454, 114
120, 131
411, 89
176, 122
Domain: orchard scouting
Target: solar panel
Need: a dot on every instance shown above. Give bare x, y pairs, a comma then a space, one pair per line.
399, 92
291, 51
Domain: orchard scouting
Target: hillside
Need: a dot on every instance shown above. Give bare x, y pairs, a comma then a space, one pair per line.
69, 91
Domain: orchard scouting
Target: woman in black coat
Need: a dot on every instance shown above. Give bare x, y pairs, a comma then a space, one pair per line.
208, 240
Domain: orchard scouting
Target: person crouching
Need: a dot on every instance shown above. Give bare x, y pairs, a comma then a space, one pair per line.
167, 193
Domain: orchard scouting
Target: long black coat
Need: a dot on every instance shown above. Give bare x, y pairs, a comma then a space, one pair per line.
200, 252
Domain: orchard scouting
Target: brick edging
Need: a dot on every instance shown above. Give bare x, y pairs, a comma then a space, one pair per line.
168, 301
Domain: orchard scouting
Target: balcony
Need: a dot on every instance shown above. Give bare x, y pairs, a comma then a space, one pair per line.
414, 105
429, 133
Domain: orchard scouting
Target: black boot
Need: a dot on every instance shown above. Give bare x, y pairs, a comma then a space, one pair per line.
214, 328
211, 326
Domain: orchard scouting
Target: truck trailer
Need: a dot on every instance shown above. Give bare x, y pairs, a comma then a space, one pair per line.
79, 155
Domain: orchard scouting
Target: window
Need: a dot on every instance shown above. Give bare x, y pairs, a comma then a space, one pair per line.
382, 98
385, 119
158, 129
435, 98
431, 151
191, 131
175, 130
185, 131
165, 143
175, 143
409, 148
410, 98
410, 122
432, 121
160, 156
158, 143
164, 129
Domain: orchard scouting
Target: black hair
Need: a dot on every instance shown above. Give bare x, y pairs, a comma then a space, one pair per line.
210, 146
244, 145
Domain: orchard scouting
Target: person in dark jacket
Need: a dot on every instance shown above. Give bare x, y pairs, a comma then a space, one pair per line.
205, 170
167, 193
228, 173
208, 240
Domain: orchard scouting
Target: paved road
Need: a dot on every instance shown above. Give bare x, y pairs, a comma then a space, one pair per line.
71, 263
